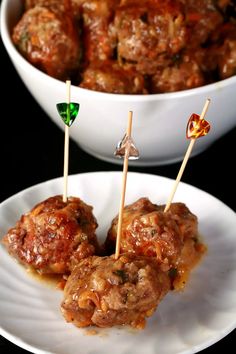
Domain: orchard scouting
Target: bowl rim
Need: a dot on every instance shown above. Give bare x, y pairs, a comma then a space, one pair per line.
28, 67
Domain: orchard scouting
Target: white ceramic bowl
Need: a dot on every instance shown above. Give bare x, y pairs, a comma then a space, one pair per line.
159, 120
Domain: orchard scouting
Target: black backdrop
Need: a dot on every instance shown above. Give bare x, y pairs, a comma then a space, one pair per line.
32, 151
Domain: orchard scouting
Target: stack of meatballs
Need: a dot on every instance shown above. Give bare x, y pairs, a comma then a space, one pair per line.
130, 46
158, 250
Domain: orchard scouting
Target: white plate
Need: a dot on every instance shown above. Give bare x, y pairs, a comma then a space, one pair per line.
184, 323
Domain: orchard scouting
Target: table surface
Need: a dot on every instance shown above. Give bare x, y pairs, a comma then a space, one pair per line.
32, 151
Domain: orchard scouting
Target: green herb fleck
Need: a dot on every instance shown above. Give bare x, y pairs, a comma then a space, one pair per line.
173, 272
195, 239
153, 232
176, 58
122, 274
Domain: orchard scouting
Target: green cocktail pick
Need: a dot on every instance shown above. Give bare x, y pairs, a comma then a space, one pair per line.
68, 112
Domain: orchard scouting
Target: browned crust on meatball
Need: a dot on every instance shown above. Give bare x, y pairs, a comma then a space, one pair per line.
99, 41
53, 235
186, 73
110, 77
107, 292
156, 46
46, 36
146, 31
170, 237
202, 19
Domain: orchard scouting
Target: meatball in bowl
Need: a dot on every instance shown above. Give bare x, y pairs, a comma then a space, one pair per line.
159, 59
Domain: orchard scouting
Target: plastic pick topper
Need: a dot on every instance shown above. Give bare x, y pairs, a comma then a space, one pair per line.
125, 144
197, 127
68, 112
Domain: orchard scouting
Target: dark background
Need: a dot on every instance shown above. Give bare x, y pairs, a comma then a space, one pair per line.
31, 150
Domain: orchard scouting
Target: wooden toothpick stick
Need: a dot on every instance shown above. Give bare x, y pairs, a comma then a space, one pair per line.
66, 147
185, 160
123, 190
68, 112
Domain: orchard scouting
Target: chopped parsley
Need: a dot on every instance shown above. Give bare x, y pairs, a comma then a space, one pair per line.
122, 274
173, 272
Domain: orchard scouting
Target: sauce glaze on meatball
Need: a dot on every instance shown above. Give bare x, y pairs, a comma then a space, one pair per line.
105, 292
171, 237
47, 37
53, 235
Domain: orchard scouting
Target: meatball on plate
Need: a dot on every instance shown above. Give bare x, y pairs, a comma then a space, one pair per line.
123, 293
105, 292
171, 237
53, 235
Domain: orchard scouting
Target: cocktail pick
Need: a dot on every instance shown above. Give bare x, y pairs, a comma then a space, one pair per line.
126, 149
68, 112
197, 127
122, 148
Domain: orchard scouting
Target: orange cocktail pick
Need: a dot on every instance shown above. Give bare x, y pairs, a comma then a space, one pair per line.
197, 127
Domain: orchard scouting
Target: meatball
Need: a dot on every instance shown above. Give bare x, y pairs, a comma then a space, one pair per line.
186, 221
110, 77
192, 247
47, 38
227, 59
53, 235
170, 237
58, 6
148, 233
224, 40
184, 75
99, 40
202, 18
223, 4
70, 5
106, 292
147, 30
